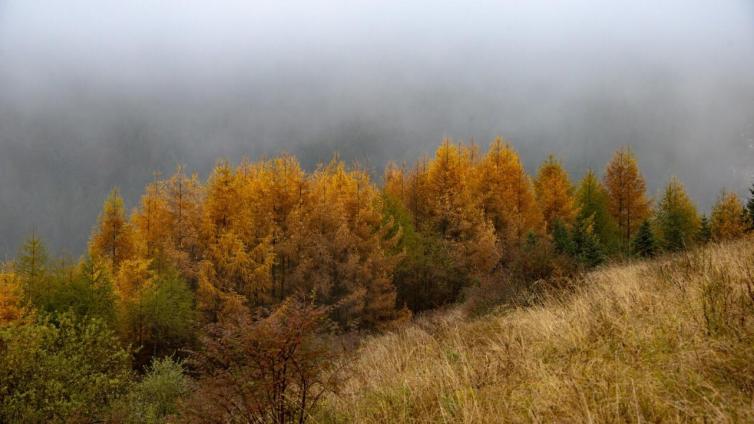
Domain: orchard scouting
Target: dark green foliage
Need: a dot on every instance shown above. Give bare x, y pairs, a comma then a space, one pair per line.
750, 207
426, 277
69, 371
592, 200
586, 245
561, 239
162, 320
533, 261
644, 244
673, 236
704, 235
676, 221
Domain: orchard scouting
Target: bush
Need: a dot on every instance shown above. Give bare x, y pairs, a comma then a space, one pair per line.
156, 396
273, 369
64, 372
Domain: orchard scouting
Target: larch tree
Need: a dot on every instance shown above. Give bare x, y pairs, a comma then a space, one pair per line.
627, 193
457, 216
151, 223
113, 238
341, 252
676, 218
728, 218
183, 201
32, 261
506, 194
221, 203
396, 181
554, 193
11, 296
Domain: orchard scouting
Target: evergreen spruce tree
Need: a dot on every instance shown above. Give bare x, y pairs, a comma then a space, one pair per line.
676, 219
644, 243
586, 245
561, 239
705, 230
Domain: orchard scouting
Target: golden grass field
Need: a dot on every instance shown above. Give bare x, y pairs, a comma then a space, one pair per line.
669, 340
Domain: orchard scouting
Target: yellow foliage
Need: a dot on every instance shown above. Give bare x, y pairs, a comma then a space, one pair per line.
133, 277
554, 193
152, 222
113, 237
506, 194
11, 303
627, 193
728, 220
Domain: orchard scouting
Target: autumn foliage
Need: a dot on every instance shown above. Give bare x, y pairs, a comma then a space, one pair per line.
215, 271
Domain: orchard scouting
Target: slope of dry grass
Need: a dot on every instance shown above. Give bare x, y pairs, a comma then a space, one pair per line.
670, 340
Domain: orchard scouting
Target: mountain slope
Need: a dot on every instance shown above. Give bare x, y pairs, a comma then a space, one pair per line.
664, 340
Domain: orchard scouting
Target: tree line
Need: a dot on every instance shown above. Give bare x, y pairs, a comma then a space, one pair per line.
217, 278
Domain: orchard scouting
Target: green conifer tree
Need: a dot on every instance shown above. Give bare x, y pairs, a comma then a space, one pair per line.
677, 221
704, 235
561, 239
644, 243
586, 245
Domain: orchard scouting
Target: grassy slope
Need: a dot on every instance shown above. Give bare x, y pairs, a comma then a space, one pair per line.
668, 340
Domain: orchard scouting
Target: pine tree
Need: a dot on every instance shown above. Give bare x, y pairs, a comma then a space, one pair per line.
676, 217
554, 193
704, 235
626, 188
586, 246
561, 239
750, 208
644, 243
593, 203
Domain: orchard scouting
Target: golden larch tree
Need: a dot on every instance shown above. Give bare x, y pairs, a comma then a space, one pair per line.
113, 237
11, 301
183, 197
728, 220
221, 204
506, 194
151, 222
554, 193
626, 188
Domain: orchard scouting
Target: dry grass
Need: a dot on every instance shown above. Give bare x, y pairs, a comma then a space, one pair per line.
664, 341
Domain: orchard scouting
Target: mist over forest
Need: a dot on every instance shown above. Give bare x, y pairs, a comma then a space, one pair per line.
96, 95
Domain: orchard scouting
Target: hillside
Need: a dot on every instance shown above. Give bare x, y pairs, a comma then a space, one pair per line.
665, 340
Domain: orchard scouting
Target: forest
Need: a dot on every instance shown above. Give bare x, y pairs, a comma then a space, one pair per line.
245, 297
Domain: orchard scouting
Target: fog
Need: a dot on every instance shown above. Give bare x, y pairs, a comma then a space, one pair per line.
97, 94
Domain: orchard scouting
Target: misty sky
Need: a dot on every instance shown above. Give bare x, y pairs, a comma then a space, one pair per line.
96, 94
